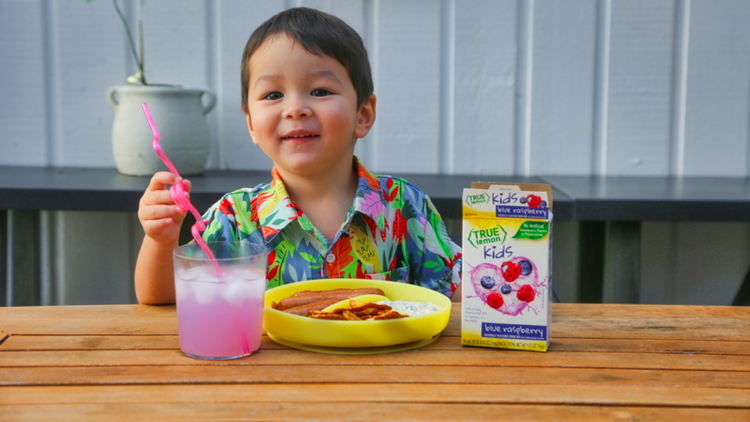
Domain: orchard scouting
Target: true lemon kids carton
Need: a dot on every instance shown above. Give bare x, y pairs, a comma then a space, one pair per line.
507, 273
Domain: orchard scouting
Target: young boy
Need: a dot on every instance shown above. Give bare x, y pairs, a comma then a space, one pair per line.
307, 95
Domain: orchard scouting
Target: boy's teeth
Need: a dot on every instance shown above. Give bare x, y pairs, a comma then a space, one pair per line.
300, 136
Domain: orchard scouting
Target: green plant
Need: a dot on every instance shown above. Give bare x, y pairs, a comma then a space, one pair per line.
140, 77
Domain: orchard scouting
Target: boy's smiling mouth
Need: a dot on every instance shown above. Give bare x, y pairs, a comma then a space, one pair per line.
298, 134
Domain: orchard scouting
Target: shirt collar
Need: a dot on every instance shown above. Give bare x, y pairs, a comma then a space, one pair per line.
276, 209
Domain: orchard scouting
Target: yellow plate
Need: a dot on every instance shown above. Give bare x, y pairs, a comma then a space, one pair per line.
327, 333
356, 350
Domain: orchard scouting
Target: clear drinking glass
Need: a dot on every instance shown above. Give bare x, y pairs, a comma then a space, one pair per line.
220, 307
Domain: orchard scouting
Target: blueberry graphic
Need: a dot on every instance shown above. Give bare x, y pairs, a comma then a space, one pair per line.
522, 199
543, 204
525, 266
487, 282
505, 289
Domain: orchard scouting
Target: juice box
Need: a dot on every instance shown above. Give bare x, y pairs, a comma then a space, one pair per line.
507, 269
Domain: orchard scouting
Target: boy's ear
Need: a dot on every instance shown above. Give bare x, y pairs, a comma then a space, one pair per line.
365, 117
249, 124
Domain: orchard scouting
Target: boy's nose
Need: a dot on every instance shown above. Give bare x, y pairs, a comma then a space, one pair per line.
297, 109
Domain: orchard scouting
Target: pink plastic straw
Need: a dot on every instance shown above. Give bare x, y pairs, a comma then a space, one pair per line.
178, 192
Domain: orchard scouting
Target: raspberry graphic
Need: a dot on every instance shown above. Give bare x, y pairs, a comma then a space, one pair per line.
534, 201
510, 271
495, 300
526, 293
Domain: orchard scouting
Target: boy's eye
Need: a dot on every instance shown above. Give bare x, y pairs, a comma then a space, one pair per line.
272, 96
320, 92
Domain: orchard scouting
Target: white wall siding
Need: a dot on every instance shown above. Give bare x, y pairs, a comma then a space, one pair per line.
408, 52
87, 50
718, 88
492, 87
639, 84
478, 130
238, 18
23, 136
562, 97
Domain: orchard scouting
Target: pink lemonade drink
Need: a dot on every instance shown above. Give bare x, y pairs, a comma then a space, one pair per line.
220, 312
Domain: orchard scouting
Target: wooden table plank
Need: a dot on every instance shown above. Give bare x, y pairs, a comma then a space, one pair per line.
92, 319
285, 374
171, 342
568, 321
383, 393
652, 322
479, 357
282, 411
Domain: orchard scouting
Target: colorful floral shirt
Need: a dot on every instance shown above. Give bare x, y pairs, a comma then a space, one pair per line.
392, 232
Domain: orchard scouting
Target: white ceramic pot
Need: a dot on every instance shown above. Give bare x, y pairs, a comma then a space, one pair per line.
179, 115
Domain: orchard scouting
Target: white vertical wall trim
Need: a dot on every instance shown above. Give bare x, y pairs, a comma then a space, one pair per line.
52, 80
601, 92
679, 86
524, 84
447, 86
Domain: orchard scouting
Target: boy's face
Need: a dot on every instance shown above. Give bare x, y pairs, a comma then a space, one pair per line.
302, 108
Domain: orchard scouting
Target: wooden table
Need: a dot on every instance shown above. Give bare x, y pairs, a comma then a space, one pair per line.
607, 362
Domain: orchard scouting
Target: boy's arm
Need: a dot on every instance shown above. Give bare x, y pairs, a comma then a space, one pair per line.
154, 273
161, 220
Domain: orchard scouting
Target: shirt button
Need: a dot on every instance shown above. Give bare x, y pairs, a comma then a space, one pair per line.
330, 258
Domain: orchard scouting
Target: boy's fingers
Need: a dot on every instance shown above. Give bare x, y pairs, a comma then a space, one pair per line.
163, 197
161, 179
156, 226
156, 212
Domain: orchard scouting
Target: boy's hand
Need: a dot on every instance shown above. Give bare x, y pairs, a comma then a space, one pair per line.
160, 217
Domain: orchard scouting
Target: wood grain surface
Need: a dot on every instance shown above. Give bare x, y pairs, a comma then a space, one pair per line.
606, 362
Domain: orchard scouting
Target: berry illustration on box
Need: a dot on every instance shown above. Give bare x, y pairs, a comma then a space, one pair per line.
510, 288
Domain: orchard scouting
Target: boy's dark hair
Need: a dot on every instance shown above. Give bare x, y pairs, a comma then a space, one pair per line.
321, 34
